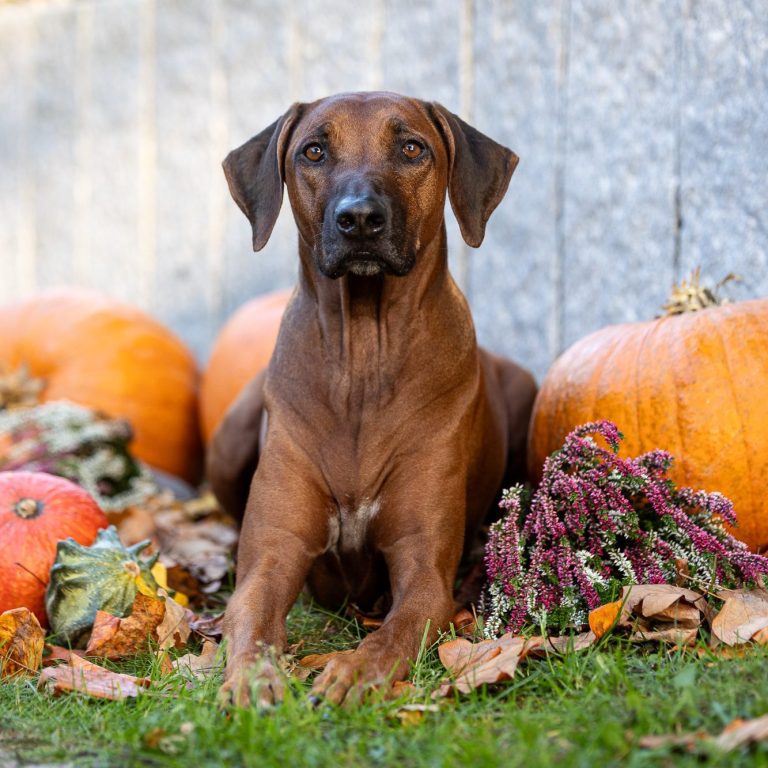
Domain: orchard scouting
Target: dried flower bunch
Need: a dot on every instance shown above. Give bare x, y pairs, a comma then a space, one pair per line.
598, 522
71, 441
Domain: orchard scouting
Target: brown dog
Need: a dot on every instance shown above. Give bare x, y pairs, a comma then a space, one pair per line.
380, 433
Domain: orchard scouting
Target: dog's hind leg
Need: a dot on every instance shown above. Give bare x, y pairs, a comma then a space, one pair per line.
234, 451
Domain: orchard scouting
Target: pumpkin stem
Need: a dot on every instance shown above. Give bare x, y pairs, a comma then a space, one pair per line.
28, 508
691, 296
132, 568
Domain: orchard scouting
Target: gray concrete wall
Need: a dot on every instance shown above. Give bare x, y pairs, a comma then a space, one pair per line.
642, 127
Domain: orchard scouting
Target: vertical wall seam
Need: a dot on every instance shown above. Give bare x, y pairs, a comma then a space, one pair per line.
83, 187
677, 223
557, 327
147, 153
375, 47
218, 129
467, 110
295, 60
26, 267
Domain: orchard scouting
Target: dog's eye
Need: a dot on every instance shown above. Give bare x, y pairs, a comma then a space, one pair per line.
412, 149
314, 152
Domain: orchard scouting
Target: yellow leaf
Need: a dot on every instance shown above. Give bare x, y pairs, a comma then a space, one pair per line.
602, 619
160, 572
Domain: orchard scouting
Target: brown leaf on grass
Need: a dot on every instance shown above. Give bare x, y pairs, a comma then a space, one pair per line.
413, 714
652, 612
201, 665
52, 654
563, 644
209, 627
489, 661
115, 638
319, 660
673, 635
84, 677
21, 643
736, 734
663, 602
741, 732
687, 741
744, 615
174, 630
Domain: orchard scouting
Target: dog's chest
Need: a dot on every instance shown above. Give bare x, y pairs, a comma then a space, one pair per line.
349, 524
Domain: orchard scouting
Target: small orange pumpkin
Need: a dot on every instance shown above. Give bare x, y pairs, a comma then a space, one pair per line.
107, 355
692, 383
242, 349
37, 511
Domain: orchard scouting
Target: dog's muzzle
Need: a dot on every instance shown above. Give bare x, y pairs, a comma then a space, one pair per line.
359, 238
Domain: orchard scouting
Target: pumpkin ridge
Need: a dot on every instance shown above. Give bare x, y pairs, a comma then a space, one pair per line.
616, 346
638, 399
737, 409
681, 431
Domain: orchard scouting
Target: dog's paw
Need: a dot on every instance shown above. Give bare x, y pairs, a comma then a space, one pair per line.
257, 682
349, 679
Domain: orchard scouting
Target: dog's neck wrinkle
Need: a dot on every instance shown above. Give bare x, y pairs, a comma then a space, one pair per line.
363, 329
354, 313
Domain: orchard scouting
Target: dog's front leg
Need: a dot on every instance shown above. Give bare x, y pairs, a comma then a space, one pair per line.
421, 539
284, 531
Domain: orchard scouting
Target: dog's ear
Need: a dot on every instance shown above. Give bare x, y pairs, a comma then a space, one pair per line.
478, 174
255, 175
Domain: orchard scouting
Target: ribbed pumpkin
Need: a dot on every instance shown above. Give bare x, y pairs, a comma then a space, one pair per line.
241, 350
692, 383
37, 511
101, 353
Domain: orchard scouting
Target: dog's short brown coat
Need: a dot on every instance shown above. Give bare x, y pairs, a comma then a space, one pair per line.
380, 433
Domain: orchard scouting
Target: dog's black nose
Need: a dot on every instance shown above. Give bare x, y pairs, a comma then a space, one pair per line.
360, 217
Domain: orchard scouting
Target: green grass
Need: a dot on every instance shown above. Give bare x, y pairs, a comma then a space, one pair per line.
586, 709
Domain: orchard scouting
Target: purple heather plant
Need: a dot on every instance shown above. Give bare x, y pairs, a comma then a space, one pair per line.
598, 522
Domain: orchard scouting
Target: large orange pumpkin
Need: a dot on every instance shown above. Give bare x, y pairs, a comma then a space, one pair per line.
37, 510
694, 384
242, 349
104, 354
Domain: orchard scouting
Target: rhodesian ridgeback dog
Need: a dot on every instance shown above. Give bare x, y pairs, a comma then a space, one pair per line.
369, 451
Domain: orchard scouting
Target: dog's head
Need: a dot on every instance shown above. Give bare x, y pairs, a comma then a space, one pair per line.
367, 175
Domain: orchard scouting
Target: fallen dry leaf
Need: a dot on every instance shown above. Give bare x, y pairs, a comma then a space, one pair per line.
652, 612
673, 635
208, 626
489, 661
202, 665
115, 638
413, 714
55, 653
689, 741
563, 644
741, 732
665, 601
84, 677
604, 618
21, 643
743, 615
173, 631
736, 734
